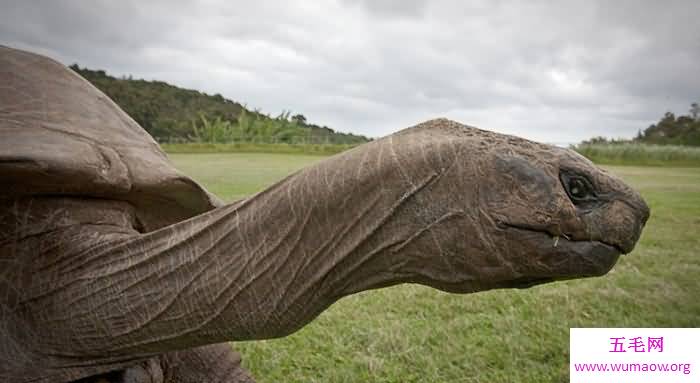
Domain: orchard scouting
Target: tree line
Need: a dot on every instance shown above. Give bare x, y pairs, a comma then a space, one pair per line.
175, 115
681, 130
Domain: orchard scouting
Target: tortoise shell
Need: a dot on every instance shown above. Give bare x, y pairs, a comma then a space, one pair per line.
59, 135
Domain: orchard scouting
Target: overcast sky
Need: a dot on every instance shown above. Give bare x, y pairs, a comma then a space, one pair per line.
555, 71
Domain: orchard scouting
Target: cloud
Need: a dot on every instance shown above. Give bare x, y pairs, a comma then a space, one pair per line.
554, 72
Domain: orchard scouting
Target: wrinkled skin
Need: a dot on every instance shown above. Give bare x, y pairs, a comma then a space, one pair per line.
87, 293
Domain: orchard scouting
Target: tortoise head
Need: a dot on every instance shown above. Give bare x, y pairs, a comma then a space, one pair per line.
558, 216
534, 213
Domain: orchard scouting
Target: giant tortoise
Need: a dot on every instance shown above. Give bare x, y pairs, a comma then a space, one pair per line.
115, 267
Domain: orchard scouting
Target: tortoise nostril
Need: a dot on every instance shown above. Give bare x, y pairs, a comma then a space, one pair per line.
640, 209
624, 223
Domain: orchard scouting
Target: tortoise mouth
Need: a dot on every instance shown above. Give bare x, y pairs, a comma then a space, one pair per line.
562, 238
558, 258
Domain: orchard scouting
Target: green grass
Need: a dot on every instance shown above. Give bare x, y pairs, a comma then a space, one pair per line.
641, 154
233, 176
251, 147
412, 333
609, 154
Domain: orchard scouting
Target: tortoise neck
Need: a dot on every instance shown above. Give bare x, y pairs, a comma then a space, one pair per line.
267, 265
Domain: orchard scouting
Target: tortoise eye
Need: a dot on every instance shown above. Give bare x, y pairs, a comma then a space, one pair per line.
578, 188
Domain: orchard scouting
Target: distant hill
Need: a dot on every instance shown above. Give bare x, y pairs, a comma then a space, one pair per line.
173, 114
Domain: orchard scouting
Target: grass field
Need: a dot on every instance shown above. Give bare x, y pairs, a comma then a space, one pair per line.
412, 333
251, 147
641, 154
